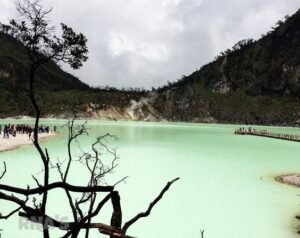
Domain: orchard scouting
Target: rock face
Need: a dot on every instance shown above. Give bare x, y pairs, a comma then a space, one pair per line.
183, 106
222, 85
292, 179
141, 110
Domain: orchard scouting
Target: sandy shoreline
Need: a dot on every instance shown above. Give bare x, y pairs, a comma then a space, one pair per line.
291, 179
19, 140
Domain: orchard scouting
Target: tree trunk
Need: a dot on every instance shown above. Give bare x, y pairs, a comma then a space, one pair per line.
116, 218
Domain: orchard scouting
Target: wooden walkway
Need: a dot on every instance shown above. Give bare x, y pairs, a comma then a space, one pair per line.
265, 133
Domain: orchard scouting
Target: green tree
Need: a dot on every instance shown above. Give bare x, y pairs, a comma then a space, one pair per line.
33, 30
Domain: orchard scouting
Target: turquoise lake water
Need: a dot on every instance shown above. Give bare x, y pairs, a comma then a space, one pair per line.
226, 184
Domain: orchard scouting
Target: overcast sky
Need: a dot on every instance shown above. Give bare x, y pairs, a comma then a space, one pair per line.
145, 43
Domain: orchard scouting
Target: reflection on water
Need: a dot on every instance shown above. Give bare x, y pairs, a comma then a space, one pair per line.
227, 182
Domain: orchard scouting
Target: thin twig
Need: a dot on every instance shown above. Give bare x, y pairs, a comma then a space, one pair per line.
4, 171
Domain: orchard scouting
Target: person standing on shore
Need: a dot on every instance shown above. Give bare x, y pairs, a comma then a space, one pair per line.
29, 132
6, 131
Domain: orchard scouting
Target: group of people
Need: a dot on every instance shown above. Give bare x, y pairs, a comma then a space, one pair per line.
13, 130
243, 130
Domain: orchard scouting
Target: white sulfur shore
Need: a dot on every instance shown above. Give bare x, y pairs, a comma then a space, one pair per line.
292, 179
19, 140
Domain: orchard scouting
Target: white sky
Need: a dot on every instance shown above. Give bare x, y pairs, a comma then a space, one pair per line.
145, 43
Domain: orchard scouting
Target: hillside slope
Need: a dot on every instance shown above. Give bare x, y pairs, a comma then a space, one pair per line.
59, 93
255, 82
14, 68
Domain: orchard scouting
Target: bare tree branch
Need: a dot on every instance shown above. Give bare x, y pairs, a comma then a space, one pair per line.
90, 215
202, 233
148, 211
4, 171
36, 180
10, 214
122, 180
66, 186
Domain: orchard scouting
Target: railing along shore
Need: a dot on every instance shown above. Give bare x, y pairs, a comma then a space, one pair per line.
264, 133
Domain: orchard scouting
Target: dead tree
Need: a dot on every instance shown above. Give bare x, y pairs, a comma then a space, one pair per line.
97, 170
202, 233
38, 38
